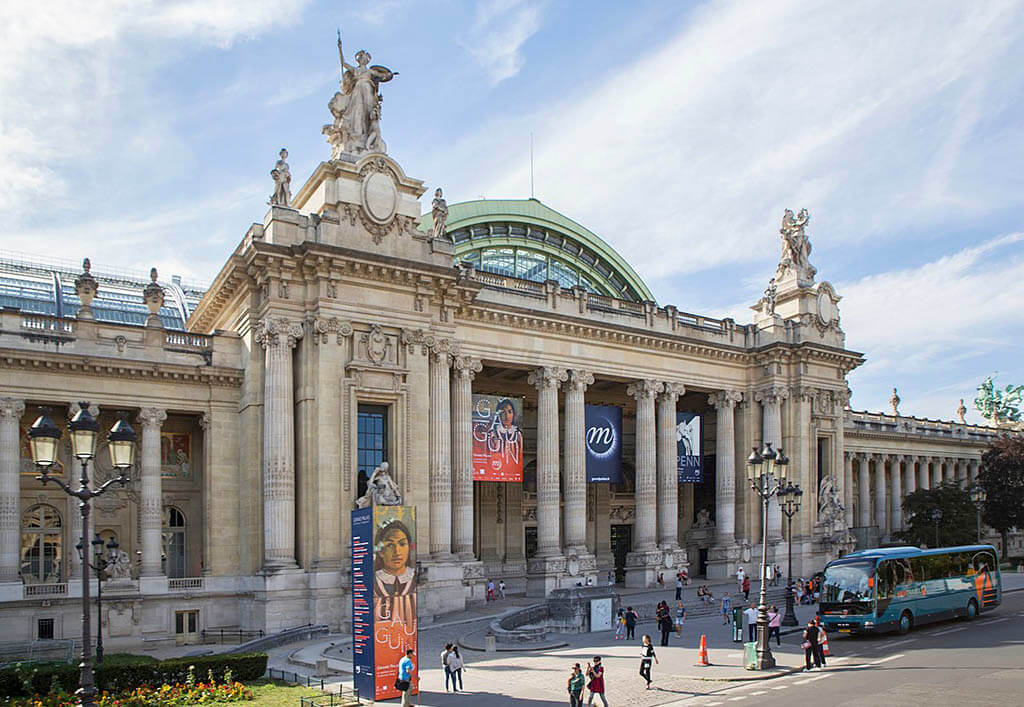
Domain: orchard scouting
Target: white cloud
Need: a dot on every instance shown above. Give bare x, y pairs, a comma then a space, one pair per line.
498, 33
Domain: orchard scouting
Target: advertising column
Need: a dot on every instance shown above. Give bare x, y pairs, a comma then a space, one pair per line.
384, 623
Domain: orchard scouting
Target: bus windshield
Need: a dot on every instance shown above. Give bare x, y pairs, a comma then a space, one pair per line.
849, 582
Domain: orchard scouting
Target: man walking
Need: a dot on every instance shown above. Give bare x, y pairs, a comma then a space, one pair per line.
631, 619
740, 574
501, 588
726, 608
746, 588
750, 614
404, 682
679, 587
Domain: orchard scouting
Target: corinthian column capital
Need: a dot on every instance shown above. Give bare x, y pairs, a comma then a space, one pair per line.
152, 417
579, 380
278, 331
771, 394
671, 391
12, 408
644, 389
547, 377
725, 398
466, 367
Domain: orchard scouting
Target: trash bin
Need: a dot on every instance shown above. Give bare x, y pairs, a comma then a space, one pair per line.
737, 625
750, 655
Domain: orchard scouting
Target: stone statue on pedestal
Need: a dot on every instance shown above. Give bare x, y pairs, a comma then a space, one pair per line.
961, 412
796, 247
282, 176
356, 107
830, 507
381, 490
895, 402
439, 212
121, 567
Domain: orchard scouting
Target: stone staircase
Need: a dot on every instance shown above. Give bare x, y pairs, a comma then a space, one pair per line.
646, 607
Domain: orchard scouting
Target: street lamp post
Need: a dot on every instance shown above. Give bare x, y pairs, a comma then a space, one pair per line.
791, 506
936, 518
764, 466
99, 565
978, 497
43, 438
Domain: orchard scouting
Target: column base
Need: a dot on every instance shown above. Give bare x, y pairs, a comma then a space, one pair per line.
723, 561
440, 589
474, 580
643, 566
545, 574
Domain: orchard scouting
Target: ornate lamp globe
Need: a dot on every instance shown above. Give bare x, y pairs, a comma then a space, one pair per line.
122, 445
83, 429
43, 436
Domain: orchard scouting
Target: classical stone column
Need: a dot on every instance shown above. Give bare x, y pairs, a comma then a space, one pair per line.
972, 471
725, 465
924, 476
848, 489
278, 336
863, 492
547, 380
575, 459
668, 476
151, 505
961, 472
880, 495
896, 512
440, 481
936, 472
463, 372
646, 464
11, 410
911, 474
771, 402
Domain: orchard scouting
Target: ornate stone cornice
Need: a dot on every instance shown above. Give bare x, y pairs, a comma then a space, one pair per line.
727, 398
547, 377
671, 390
467, 367
63, 364
322, 328
152, 417
771, 394
11, 408
278, 331
579, 380
644, 389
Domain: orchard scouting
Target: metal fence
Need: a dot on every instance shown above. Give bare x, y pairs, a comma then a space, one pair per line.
342, 698
228, 636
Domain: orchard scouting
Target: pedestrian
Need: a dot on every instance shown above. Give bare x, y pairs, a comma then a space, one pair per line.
775, 625
680, 617
685, 576
646, 656
740, 574
664, 624
679, 587
746, 588
611, 578
778, 574
631, 618
810, 646
455, 665
750, 614
595, 675
821, 641
726, 608
661, 580
490, 590
444, 664
404, 681
501, 588
769, 572
575, 686
620, 624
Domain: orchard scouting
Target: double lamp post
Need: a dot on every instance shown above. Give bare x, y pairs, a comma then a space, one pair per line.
44, 437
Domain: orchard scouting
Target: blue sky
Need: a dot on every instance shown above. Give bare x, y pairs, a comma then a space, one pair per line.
141, 133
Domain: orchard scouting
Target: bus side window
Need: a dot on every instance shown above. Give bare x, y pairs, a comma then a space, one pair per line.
883, 589
903, 574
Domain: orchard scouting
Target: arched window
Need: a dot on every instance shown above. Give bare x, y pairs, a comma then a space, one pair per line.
42, 542
174, 542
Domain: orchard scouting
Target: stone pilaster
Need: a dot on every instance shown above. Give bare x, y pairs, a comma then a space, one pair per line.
896, 512
911, 474
11, 411
771, 399
723, 555
880, 502
463, 372
642, 563
961, 472
863, 492
575, 459
544, 572
278, 336
924, 476
848, 489
668, 476
440, 481
151, 493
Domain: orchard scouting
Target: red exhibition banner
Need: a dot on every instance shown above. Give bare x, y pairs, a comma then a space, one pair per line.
394, 596
497, 438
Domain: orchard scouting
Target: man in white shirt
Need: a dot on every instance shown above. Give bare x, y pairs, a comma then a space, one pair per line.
740, 574
750, 614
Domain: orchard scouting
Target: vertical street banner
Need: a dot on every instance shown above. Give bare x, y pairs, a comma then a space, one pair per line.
384, 599
689, 456
497, 438
604, 443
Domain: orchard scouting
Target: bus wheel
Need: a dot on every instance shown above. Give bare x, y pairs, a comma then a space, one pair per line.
972, 610
906, 622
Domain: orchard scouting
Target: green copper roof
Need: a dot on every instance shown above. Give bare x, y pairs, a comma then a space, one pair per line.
562, 236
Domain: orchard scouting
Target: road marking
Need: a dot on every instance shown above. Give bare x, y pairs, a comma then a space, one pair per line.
759, 692
733, 655
905, 640
712, 704
949, 630
840, 659
886, 660
816, 677
995, 621
737, 699
780, 687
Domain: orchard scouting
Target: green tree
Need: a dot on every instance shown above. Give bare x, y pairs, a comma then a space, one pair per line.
957, 526
1002, 477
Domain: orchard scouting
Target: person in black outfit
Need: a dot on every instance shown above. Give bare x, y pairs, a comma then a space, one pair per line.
664, 622
646, 656
811, 646
631, 618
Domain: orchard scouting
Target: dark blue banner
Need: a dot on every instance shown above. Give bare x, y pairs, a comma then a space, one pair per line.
362, 602
604, 443
689, 456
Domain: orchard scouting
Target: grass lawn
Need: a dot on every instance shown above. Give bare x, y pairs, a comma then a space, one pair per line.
278, 694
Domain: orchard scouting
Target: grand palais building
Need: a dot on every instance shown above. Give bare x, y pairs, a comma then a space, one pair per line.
346, 329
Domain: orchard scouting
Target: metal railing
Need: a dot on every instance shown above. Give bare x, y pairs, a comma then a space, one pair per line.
345, 695
46, 590
220, 635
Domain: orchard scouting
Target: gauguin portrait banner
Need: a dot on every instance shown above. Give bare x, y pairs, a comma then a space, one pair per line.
384, 600
497, 438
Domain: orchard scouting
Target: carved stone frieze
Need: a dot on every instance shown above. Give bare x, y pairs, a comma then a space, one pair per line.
376, 345
623, 513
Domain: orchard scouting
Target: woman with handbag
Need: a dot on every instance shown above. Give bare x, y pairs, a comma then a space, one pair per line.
810, 646
595, 673
575, 686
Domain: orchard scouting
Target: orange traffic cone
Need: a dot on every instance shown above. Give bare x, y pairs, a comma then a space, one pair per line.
702, 653
824, 644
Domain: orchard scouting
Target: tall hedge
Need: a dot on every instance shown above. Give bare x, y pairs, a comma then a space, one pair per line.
122, 673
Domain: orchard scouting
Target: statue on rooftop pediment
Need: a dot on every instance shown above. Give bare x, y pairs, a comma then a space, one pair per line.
282, 176
357, 107
796, 246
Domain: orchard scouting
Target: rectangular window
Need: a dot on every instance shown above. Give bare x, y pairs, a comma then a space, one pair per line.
372, 442
45, 629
